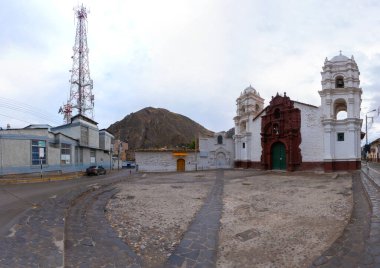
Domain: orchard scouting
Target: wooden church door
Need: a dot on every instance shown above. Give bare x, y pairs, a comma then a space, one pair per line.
278, 156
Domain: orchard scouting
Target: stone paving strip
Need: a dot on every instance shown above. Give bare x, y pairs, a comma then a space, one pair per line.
372, 255
89, 239
199, 245
349, 249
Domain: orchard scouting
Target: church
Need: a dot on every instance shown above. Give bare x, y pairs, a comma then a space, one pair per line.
291, 135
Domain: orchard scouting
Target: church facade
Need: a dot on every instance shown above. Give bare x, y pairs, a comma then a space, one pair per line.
290, 135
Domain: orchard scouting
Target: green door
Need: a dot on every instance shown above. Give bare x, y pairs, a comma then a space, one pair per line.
278, 156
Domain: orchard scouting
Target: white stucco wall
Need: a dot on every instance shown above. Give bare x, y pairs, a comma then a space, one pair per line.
213, 155
256, 139
162, 161
311, 133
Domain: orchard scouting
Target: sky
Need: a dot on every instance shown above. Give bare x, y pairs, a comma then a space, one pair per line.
192, 57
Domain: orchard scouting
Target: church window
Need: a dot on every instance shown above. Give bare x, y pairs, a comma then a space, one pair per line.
340, 136
220, 139
277, 114
339, 82
243, 145
257, 107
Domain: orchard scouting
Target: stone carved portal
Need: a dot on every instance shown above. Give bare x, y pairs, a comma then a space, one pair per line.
281, 124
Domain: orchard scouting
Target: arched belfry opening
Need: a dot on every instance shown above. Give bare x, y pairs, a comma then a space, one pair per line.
339, 82
340, 109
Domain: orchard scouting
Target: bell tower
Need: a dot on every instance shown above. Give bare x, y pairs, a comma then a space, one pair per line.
248, 106
340, 104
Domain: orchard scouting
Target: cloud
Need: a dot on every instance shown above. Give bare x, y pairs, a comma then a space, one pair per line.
191, 57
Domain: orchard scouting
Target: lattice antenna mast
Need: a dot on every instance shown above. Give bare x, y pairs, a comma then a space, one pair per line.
81, 84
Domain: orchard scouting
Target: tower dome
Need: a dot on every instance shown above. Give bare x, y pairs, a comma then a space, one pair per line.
339, 57
340, 72
249, 89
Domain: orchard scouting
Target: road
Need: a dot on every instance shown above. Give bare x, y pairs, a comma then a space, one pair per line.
17, 198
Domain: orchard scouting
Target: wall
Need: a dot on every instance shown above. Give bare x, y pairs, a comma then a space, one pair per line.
210, 150
256, 140
162, 161
311, 133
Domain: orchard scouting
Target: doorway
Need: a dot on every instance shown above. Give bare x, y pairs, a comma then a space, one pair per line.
278, 156
181, 165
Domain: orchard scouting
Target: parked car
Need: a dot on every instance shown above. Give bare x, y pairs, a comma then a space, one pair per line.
128, 165
95, 170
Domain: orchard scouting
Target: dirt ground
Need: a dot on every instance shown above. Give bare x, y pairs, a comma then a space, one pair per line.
269, 219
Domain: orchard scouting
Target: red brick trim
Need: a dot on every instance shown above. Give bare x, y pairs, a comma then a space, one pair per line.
341, 165
305, 166
248, 164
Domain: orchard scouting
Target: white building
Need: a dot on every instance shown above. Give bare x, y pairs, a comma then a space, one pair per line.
296, 136
216, 152
166, 160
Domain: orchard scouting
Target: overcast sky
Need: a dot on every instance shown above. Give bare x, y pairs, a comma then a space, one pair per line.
192, 57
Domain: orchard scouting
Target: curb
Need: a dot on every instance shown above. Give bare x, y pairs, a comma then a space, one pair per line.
36, 180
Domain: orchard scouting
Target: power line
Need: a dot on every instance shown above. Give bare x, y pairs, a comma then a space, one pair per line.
24, 108
15, 118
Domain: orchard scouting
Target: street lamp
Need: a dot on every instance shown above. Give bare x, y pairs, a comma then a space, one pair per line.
366, 133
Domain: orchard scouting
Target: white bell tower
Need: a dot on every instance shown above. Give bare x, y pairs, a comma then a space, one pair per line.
248, 106
340, 104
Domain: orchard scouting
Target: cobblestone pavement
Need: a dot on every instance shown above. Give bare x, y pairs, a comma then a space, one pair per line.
37, 240
348, 249
200, 243
359, 245
89, 239
371, 180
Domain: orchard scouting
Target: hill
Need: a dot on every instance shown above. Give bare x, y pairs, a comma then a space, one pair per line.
157, 128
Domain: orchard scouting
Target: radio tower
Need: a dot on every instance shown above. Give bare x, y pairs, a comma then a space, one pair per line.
81, 97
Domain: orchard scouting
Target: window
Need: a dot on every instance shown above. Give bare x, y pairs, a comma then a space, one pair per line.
277, 113
243, 145
84, 135
92, 156
38, 152
340, 136
65, 154
257, 107
339, 82
220, 139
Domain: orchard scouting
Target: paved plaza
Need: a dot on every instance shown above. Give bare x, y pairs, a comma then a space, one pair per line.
77, 229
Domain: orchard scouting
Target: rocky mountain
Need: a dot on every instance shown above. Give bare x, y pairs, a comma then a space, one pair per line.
231, 133
157, 128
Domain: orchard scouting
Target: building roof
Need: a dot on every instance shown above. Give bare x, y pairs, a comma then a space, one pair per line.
85, 118
39, 126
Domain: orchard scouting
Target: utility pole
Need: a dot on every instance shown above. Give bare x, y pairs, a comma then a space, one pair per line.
81, 84
195, 151
366, 134
118, 154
